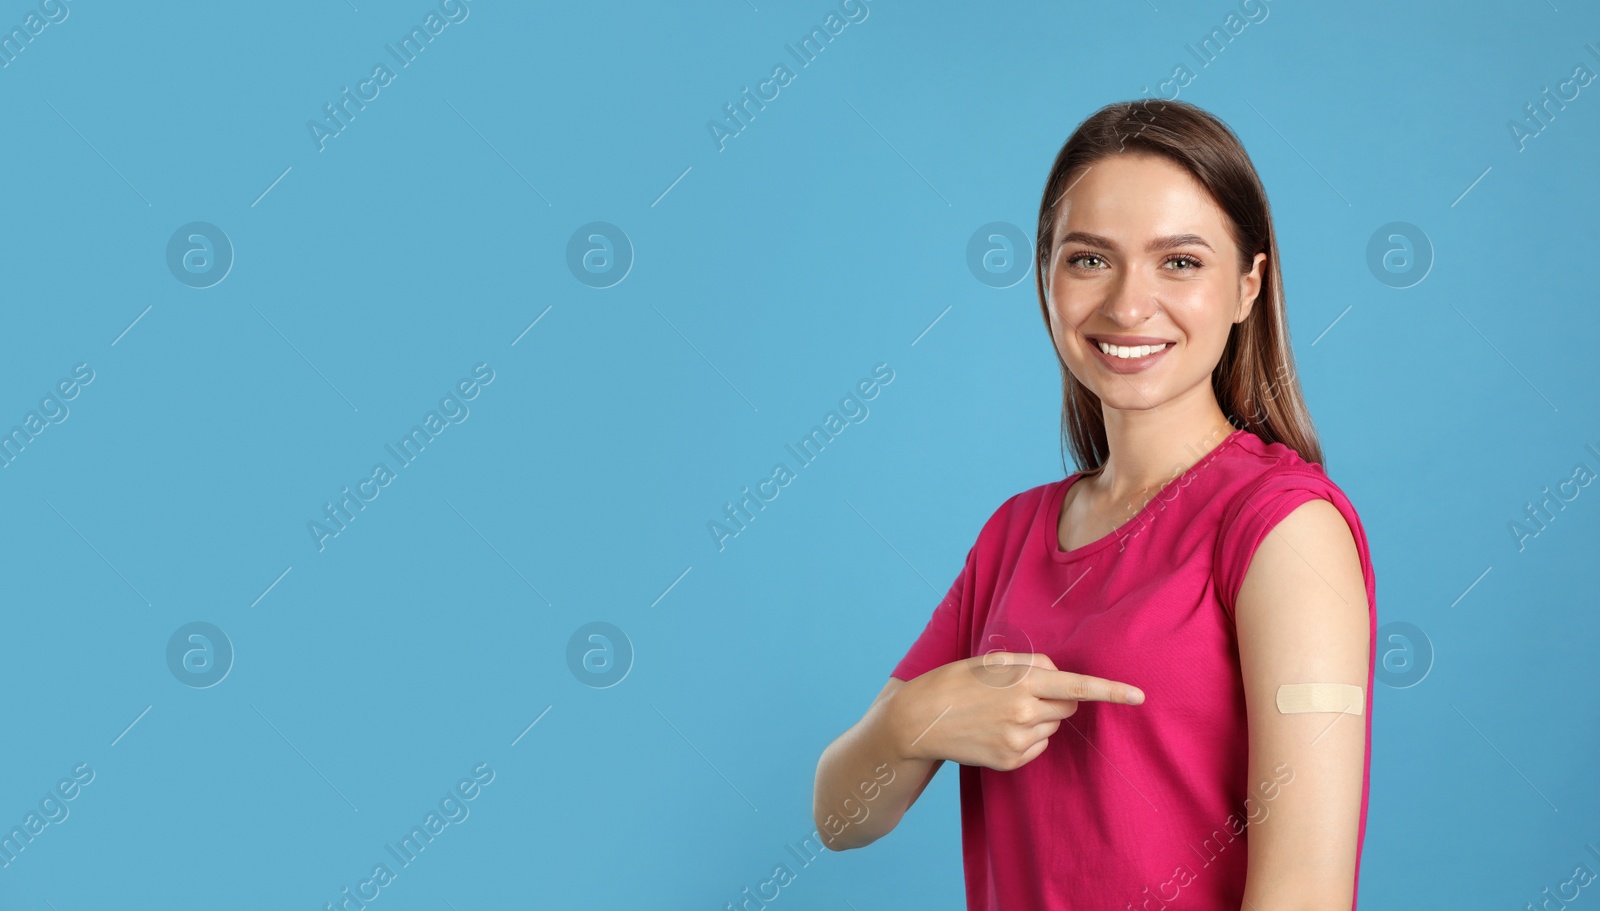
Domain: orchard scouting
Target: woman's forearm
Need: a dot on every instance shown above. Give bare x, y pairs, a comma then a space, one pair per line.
865, 783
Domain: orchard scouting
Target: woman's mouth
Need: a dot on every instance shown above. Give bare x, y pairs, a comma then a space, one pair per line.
1129, 358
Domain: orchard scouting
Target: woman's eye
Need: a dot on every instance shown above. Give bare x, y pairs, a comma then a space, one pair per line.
1191, 263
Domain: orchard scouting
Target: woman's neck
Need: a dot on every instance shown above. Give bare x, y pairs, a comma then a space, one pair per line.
1145, 454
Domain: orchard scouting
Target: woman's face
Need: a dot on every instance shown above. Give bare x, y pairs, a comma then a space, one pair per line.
1143, 256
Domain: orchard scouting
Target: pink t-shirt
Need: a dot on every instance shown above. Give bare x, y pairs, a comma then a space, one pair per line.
1128, 807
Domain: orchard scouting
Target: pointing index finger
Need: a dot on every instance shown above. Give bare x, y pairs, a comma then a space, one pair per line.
1083, 688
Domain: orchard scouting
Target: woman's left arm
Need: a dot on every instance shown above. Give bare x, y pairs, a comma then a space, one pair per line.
1301, 616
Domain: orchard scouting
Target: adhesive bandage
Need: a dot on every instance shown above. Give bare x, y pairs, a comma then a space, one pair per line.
1320, 697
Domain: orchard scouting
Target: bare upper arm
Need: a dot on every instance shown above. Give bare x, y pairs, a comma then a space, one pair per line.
1302, 617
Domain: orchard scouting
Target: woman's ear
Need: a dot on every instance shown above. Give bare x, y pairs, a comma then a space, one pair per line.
1250, 287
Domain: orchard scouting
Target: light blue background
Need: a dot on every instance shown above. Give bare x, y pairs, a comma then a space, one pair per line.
767, 279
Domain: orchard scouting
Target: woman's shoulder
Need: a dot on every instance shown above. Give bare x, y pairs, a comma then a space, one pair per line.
1016, 515
1270, 479
1255, 478
1022, 507
1253, 461
1279, 482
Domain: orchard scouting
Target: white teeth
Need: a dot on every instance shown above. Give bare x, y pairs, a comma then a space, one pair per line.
1123, 351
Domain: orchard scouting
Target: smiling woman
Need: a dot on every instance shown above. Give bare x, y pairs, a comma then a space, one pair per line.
1242, 575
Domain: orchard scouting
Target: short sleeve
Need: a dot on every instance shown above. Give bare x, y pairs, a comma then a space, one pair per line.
1259, 508
944, 638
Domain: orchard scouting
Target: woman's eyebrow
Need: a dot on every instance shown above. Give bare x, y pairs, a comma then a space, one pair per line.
1158, 243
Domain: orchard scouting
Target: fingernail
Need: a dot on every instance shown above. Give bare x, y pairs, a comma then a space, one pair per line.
1135, 697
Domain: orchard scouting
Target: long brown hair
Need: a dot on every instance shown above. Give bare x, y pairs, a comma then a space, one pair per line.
1255, 380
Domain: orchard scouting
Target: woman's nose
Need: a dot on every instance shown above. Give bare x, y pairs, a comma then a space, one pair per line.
1131, 300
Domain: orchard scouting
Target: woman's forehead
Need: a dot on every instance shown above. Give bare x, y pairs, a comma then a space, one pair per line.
1131, 202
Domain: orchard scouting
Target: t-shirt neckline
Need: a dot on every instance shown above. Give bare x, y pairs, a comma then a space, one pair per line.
1052, 515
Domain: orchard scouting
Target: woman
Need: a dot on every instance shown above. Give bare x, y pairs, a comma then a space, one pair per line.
1156, 674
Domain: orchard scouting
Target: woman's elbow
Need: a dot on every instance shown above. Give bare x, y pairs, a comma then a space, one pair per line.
839, 834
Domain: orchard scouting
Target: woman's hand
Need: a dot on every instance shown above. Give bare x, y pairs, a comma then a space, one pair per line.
996, 710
